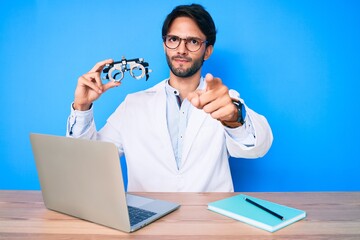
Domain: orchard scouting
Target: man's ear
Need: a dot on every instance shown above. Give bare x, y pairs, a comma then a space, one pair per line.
208, 51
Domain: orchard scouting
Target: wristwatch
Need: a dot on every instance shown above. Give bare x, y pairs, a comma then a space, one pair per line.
241, 115
235, 97
241, 111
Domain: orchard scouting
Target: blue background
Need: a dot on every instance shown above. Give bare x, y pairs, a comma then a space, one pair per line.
296, 62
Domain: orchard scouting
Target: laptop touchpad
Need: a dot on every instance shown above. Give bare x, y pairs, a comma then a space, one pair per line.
137, 201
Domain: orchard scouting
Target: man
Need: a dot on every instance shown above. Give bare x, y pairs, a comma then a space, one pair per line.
179, 134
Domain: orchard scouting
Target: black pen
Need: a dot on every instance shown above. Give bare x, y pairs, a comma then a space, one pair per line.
264, 208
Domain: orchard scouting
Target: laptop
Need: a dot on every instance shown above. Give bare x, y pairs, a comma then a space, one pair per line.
83, 178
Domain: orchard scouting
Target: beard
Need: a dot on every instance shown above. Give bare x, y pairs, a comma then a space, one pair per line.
185, 72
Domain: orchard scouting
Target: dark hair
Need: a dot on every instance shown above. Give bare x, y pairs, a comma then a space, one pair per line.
197, 13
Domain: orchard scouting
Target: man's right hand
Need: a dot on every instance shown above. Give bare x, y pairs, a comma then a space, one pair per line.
90, 87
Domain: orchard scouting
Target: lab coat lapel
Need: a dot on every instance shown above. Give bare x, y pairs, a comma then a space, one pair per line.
196, 120
161, 125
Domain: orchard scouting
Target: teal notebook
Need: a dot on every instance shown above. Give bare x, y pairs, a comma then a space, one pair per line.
238, 208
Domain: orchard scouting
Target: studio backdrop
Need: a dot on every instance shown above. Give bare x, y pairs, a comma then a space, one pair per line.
295, 62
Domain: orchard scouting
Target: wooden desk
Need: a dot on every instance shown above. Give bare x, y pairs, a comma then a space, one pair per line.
329, 216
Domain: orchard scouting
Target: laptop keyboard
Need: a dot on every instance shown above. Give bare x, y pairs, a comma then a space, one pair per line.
137, 215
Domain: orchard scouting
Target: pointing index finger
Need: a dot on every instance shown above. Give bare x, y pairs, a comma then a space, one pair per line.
212, 82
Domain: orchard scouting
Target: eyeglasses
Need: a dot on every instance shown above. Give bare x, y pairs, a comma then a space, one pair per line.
192, 44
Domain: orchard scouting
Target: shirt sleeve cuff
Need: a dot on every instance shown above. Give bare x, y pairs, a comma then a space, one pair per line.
79, 121
244, 134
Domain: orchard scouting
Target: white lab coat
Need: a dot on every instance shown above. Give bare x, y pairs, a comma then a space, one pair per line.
139, 128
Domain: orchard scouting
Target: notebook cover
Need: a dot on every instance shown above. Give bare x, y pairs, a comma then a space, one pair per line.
237, 208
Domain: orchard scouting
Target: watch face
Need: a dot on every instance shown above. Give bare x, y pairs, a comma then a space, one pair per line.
242, 113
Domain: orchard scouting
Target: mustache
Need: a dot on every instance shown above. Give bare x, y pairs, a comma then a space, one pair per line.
181, 58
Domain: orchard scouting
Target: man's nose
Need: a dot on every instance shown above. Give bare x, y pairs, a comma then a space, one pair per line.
182, 47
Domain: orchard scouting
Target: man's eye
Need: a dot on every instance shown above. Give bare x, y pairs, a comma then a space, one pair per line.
194, 41
173, 39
